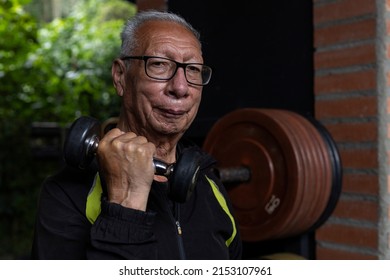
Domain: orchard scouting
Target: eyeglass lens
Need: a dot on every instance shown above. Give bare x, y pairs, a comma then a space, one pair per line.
165, 69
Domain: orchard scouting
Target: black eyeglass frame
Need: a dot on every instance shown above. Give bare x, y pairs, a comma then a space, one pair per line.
178, 64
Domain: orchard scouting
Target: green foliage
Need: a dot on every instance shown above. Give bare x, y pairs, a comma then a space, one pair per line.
18, 32
71, 73
52, 72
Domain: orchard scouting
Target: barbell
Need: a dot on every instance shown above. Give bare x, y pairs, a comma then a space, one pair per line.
295, 170
281, 169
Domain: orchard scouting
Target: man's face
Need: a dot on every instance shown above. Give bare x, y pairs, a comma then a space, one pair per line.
162, 108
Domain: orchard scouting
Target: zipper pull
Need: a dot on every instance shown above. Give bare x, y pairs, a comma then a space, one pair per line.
178, 228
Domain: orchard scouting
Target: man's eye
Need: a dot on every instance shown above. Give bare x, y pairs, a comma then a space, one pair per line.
194, 69
158, 63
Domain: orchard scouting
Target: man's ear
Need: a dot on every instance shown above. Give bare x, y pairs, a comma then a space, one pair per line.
118, 70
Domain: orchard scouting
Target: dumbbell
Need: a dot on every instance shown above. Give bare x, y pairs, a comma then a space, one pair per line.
82, 141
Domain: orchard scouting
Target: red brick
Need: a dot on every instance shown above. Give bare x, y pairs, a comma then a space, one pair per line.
342, 10
364, 54
388, 129
353, 132
342, 82
333, 254
388, 157
388, 78
348, 235
361, 183
353, 209
387, 27
343, 33
364, 106
388, 105
359, 158
388, 183
388, 48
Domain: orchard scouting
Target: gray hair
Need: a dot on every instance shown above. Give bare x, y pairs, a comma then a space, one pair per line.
129, 40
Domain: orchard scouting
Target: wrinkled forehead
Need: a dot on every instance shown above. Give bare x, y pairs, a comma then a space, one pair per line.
157, 35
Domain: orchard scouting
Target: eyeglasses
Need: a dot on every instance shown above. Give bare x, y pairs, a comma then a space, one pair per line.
161, 68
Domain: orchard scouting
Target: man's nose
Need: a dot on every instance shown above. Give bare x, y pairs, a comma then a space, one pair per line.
179, 83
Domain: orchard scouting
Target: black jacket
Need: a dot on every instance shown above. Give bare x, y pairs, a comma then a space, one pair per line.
74, 221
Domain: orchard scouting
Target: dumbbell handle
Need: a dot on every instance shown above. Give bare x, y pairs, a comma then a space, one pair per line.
161, 168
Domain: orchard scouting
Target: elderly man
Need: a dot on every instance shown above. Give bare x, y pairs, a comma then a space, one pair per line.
122, 209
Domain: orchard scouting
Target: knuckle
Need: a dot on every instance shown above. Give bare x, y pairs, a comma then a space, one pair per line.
116, 143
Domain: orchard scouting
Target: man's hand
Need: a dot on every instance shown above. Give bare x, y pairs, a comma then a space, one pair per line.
126, 162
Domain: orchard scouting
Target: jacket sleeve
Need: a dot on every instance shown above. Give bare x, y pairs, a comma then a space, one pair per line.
122, 233
62, 230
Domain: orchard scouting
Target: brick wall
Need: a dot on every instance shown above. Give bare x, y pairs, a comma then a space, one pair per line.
346, 102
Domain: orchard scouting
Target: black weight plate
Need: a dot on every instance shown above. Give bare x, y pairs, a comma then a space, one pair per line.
81, 131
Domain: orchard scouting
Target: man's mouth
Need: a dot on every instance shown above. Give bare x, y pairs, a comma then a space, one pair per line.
171, 113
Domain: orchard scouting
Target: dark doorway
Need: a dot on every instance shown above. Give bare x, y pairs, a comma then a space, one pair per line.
261, 53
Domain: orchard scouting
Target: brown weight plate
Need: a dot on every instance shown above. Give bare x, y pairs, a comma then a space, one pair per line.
307, 172
318, 172
253, 138
312, 204
336, 172
323, 172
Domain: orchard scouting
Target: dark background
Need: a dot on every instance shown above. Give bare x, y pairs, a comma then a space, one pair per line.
261, 53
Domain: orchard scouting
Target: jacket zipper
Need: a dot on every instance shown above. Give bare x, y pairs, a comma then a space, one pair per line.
179, 233
174, 211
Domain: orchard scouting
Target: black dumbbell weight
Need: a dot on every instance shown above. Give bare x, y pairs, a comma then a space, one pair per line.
82, 142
